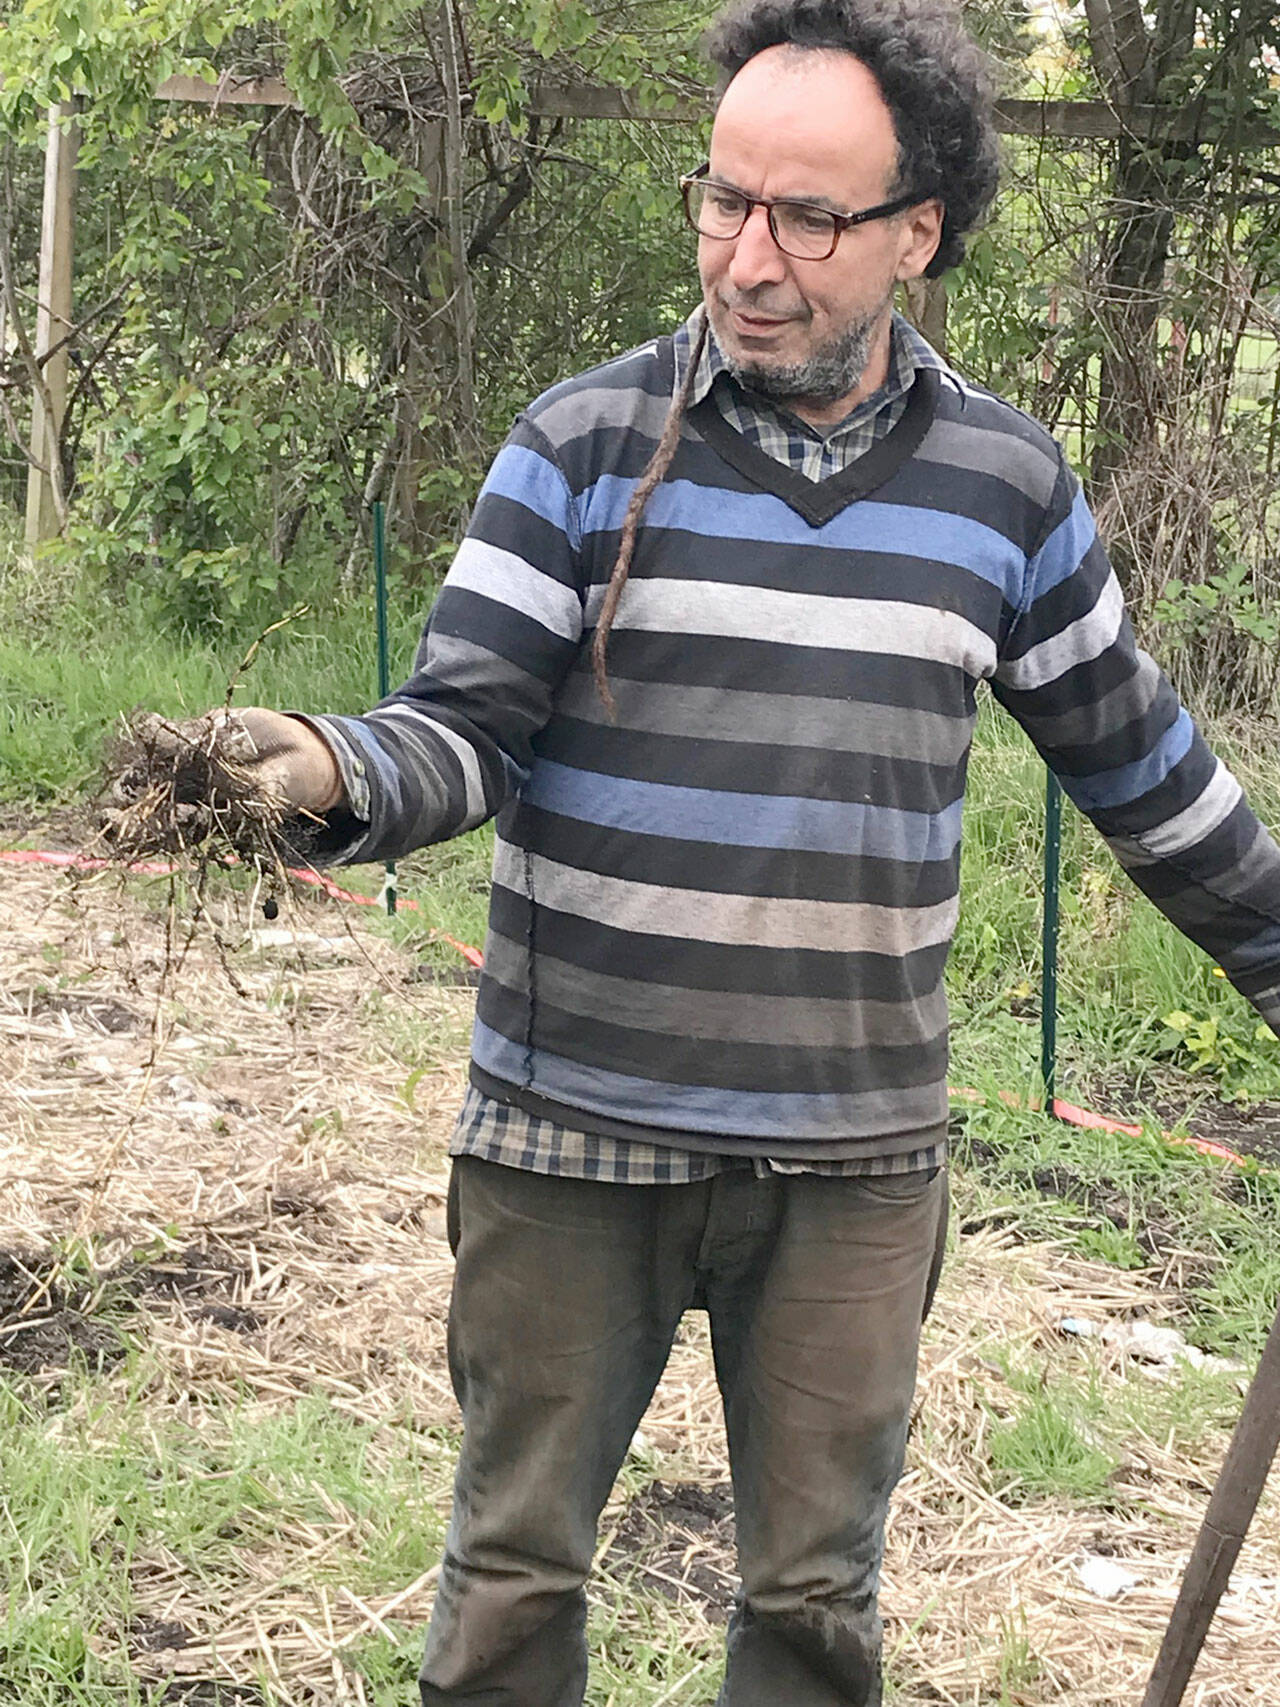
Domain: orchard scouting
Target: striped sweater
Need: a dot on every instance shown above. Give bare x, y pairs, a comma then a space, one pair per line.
721, 920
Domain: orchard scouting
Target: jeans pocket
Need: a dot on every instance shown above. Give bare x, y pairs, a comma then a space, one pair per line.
897, 1189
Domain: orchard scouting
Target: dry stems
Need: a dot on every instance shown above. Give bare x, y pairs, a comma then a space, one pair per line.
190, 790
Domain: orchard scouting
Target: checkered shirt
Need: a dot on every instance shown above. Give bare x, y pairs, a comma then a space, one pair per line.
500, 1132
815, 452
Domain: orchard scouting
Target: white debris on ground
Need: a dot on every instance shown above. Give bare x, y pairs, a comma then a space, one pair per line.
1107, 1578
1150, 1343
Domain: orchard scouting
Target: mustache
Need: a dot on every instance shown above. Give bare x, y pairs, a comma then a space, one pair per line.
756, 302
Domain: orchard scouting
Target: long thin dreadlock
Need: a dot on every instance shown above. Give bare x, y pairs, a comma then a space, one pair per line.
652, 477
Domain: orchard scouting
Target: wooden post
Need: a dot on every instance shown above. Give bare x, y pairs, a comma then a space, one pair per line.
460, 271
1231, 1507
45, 502
926, 304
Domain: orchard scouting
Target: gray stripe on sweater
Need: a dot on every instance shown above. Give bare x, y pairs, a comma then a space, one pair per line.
701, 915
1128, 701
802, 1022
508, 580
775, 720
583, 412
1023, 466
1215, 802
1080, 642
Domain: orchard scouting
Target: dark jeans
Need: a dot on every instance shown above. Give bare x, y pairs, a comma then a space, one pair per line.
566, 1298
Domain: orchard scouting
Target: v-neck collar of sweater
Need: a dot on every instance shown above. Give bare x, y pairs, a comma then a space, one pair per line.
818, 501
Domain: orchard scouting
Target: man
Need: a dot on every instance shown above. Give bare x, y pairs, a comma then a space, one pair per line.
710, 652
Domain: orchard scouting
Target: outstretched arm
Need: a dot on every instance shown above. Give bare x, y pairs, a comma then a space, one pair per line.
1110, 725
449, 748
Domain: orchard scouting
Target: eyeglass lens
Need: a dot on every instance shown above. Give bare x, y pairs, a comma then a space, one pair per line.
809, 233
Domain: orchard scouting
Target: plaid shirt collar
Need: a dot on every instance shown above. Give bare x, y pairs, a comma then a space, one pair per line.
909, 354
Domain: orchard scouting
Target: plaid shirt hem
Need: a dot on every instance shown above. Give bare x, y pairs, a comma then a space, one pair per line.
499, 1132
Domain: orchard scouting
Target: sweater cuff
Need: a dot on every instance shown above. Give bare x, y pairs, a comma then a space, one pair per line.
347, 824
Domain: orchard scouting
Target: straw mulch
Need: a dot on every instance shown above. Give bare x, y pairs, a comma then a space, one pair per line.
276, 1146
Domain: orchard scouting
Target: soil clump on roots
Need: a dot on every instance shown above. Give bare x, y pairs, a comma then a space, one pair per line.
190, 790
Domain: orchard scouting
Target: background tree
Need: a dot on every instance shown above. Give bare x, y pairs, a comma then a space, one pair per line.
286, 313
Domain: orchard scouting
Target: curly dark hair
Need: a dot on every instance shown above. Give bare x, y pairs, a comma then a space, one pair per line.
934, 78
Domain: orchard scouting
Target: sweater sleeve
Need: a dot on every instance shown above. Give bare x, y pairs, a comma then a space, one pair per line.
449, 748
1110, 726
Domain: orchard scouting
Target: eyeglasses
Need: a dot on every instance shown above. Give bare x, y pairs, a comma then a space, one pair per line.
802, 230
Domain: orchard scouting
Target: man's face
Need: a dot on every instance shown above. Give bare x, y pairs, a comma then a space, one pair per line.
812, 126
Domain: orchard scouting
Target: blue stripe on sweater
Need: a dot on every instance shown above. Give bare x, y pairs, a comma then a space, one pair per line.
1258, 953
363, 737
1063, 551
1130, 782
744, 820
697, 1108
904, 529
528, 479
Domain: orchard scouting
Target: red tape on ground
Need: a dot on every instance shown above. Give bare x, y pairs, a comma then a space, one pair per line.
1102, 1123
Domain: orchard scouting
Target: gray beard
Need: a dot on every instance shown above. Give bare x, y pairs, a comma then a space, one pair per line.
830, 373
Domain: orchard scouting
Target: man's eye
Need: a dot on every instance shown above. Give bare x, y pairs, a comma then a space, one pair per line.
812, 221
724, 201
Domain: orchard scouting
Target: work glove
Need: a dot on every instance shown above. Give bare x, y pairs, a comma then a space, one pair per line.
217, 757
291, 760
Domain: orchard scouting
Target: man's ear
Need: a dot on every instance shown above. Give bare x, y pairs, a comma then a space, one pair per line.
921, 230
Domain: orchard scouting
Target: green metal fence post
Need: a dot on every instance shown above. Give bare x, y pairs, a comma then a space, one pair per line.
384, 658
1049, 939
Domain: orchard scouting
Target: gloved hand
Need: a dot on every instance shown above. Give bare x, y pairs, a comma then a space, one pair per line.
292, 761
278, 757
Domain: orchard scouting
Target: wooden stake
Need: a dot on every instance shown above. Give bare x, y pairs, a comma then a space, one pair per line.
927, 310
459, 269
45, 503
1231, 1507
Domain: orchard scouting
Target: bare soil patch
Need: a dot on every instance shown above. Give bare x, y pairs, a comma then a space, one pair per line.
1251, 1129
47, 1322
677, 1539
1186, 1104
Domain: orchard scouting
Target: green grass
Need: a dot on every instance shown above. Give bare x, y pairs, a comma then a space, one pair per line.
121, 1485
1049, 1447
449, 886
72, 660
1134, 1201
127, 1485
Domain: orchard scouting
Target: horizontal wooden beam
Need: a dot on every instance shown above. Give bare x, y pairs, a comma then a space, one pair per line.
229, 91
1068, 121
1084, 121
556, 101
597, 101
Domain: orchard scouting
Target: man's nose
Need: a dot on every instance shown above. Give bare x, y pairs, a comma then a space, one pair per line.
756, 258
